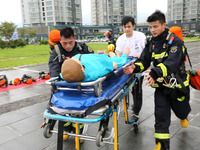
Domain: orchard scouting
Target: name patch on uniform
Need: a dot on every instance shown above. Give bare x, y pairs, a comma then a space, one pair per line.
174, 49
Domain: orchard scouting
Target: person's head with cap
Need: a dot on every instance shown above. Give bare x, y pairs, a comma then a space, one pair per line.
72, 70
107, 33
54, 38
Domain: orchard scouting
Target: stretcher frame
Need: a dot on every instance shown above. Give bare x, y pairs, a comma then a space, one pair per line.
106, 112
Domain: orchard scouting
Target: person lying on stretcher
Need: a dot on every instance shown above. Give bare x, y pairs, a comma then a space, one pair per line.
90, 67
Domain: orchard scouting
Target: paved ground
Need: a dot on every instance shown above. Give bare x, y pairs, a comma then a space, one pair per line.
21, 115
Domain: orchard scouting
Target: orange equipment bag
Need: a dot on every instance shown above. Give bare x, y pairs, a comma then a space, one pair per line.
195, 79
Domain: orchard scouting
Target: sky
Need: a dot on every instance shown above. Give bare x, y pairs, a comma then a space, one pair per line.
10, 10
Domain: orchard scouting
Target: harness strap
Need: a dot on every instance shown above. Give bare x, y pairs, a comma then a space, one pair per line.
188, 57
183, 89
97, 106
57, 49
80, 57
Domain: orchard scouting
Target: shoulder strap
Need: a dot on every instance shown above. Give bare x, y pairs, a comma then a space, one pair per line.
80, 57
79, 46
57, 49
150, 44
188, 56
83, 48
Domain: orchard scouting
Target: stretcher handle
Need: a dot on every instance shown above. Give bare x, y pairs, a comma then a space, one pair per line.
124, 66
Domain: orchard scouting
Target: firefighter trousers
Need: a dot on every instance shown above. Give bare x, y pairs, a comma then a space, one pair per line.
137, 96
163, 106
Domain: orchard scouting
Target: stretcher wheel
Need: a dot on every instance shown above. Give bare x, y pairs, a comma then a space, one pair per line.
99, 139
47, 132
135, 128
97, 90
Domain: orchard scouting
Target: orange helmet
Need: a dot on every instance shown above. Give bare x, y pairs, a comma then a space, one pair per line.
54, 37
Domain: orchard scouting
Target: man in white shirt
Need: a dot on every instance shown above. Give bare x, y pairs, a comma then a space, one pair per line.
135, 41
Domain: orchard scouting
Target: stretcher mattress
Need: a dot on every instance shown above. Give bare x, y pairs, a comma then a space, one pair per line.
81, 100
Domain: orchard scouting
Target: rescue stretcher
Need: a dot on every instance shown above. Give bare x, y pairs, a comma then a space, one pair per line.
89, 102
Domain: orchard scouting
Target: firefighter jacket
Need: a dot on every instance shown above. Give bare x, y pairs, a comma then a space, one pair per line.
55, 64
167, 59
112, 40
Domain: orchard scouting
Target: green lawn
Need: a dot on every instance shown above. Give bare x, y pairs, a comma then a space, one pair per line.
32, 54
191, 38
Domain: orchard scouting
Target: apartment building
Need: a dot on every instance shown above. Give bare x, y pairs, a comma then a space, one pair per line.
182, 11
51, 12
111, 12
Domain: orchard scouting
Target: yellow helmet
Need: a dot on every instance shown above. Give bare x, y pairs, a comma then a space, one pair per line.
111, 47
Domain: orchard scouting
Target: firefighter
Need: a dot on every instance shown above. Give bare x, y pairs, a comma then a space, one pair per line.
65, 48
167, 75
111, 39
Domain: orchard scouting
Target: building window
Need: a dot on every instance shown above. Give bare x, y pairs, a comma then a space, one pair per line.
49, 18
49, 13
49, 8
193, 26
48, 3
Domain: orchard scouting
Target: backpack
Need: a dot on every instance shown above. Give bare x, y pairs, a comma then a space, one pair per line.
194, 74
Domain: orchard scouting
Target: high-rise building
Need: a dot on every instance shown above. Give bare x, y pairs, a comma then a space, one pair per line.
111, 12
181, 11
51, 12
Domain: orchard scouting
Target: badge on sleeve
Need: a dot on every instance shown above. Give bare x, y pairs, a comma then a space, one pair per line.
174, 49
90, 49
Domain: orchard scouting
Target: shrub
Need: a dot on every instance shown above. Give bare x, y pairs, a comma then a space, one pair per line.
13, 45
190, 35
26, 41
21, 43
2, 44
44, 42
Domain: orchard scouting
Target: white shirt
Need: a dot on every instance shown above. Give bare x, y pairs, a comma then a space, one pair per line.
136, 43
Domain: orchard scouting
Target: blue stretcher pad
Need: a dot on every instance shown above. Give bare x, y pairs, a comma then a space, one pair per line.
81, 100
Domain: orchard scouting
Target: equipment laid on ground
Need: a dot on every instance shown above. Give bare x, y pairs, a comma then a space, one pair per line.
27, 79
3, 81
16, 81
43, 75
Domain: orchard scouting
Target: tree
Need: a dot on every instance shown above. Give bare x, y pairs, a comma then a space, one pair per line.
7, 29
22, 32
32, 33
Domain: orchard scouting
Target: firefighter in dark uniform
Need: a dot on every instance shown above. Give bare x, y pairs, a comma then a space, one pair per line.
111, 38
65, 49
168, 76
